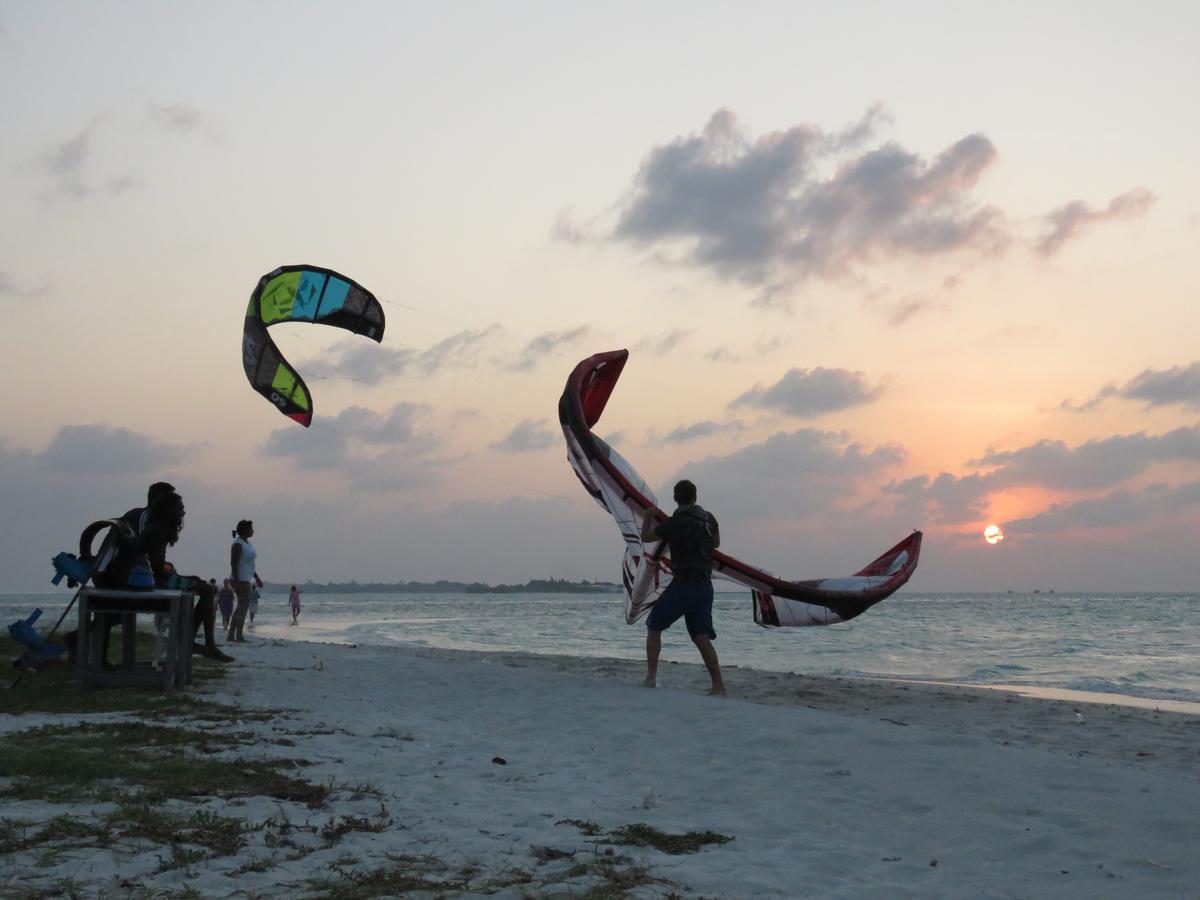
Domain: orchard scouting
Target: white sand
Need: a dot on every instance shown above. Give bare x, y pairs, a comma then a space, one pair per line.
829, 787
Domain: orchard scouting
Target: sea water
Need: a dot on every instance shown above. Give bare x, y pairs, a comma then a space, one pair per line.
1138, 645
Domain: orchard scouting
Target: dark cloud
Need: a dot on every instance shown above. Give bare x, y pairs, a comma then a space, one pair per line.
89, 449
811, 392
1177, 386
372, 364
1116, 509
343, 443
790, 474
1073, 219
765, 213
529, 434
544, 345
1094, 465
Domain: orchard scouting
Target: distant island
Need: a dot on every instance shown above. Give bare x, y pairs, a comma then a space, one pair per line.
537, 586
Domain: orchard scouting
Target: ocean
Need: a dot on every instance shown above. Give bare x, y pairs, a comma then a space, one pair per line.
1136, 645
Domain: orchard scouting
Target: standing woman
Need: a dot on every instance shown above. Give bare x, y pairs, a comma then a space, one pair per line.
242, 558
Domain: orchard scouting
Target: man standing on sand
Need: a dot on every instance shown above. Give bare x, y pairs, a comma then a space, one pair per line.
691, 533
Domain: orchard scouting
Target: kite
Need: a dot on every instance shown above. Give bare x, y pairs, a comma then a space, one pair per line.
300, 294
646, 570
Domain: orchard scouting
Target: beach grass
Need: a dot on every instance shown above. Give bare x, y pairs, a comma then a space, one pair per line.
55, 691
115, 761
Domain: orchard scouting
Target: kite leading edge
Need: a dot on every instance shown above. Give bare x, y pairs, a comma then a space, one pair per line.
301, 294
646, 570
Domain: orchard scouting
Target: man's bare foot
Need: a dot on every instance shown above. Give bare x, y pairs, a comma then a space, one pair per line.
717, 692
650, 682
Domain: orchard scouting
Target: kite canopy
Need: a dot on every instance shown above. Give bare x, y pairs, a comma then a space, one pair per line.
300, 294
646, 570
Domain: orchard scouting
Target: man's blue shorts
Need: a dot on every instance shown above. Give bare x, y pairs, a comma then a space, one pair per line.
692, 600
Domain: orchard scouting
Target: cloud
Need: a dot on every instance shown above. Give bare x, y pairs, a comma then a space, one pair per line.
372, 364
179, 117
1116, 509
1179, 385
341, 443
92, 449
1075, 218
12, 287
789, 475
659, 345
806, 393
65, 162
765, 213
698, 430
529, 434
1094, 465
764, 346
67, 165
545, 344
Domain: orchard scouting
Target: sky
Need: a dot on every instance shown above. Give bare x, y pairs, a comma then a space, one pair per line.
879, 266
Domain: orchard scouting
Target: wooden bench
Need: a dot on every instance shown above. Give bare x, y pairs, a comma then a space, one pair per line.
172, 666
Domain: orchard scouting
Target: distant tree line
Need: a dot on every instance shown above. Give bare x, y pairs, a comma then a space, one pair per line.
536, 586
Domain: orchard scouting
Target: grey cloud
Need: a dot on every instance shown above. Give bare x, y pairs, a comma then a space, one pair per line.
372, 364
1103, 394
761, 212
698, 430
664, 343
1177, 386
955, 499
88, 449
1094, 465
11, 286
568, 230
1118, 508
1073, 219
529, 434
762, 347
900, 310
790, 474
545, 344
181, 117
66, 162
805, 393
338, 444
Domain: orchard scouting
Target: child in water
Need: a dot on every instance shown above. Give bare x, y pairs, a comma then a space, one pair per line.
294, 600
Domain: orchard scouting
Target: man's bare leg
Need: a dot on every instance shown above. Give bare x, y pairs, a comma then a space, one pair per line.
709, 654
653, 648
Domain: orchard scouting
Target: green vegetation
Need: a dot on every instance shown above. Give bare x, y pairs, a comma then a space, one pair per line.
105, 761
55, 691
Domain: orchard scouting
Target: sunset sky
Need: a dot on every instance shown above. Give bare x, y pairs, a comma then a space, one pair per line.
879, 267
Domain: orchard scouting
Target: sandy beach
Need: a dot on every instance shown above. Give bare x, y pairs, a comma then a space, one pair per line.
518, 775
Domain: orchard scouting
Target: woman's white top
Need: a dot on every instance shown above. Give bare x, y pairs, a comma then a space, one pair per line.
245, 567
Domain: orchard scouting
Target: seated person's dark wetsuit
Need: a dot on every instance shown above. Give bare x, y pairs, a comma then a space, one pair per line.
161, 527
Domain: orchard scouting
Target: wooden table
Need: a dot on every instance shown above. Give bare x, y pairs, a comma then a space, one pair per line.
97, 607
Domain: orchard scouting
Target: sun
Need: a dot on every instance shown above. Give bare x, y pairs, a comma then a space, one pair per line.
992, 534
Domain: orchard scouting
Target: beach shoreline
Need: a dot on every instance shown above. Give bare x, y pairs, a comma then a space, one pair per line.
492, 763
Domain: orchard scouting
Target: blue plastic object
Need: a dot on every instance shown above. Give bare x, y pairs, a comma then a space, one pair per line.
23, 631
72, 568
